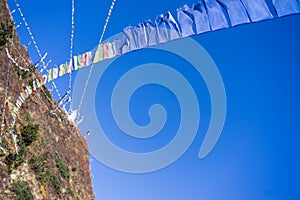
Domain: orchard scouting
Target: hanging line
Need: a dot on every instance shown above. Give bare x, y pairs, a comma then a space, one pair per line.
15, 62
71, 50
41, 60
25, 69
27, 45
12, 44
18, 103
14, 136
35, 44
56, 89
28, 30
17, 26
92, 66
24, 60
107, 20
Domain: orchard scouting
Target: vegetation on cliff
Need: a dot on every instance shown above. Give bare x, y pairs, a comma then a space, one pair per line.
52, 161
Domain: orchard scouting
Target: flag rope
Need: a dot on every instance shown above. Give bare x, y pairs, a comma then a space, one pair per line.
71, 49
92, 66
35, 43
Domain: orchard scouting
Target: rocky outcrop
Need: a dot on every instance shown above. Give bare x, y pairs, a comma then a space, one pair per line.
53, 157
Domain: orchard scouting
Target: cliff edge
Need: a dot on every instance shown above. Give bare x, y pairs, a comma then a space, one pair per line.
53, 159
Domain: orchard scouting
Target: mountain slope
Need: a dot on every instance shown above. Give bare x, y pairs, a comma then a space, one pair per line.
53, 157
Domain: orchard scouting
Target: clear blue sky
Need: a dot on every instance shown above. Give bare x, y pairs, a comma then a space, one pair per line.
257, 156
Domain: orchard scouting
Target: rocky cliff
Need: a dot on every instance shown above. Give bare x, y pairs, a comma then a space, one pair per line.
53, 159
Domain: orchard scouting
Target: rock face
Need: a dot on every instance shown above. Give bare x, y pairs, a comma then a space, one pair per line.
53, 158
